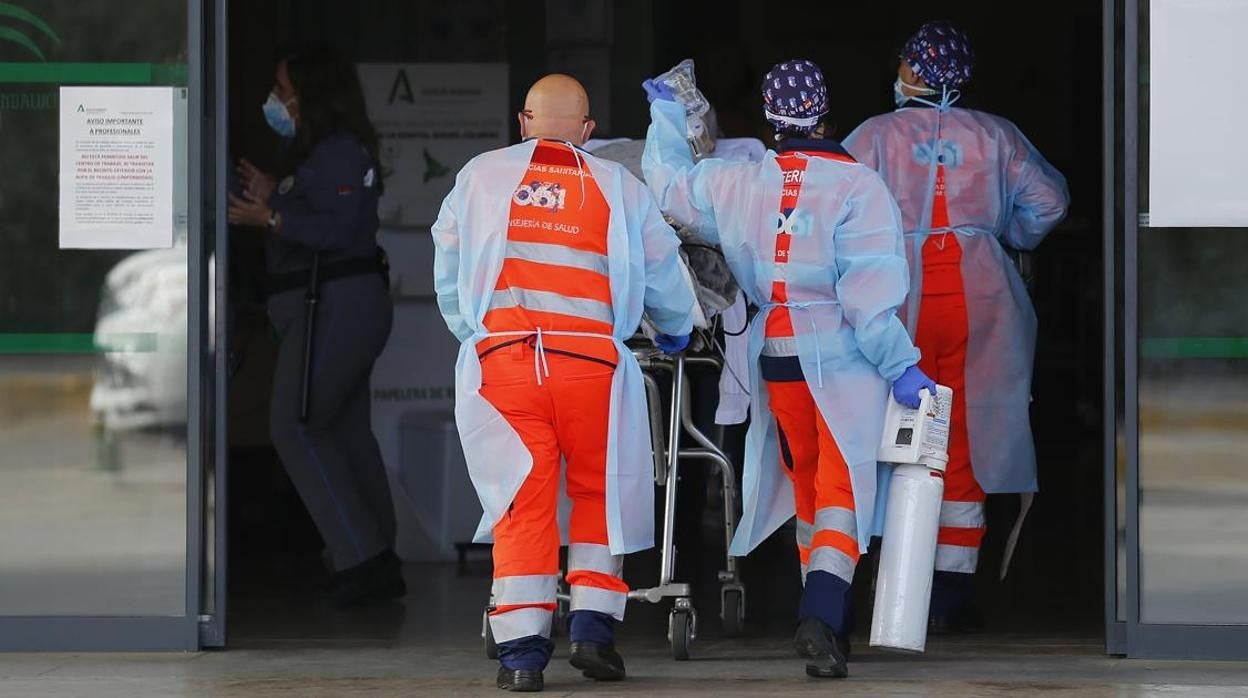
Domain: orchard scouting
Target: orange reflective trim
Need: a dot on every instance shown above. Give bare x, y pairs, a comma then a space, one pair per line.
803, 554
940, 205
793, 169
566, 281
779, 320
522, 320
598, 580
557, 202
965, 537
784, 243
942, 265
835, 539
516, 607
779, 323
554, 153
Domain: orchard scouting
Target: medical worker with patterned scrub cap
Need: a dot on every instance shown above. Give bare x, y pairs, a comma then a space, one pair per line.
814, 238
969, 185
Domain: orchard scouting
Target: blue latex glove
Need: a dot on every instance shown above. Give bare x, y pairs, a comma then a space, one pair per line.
657, 89
671, 345
906, 388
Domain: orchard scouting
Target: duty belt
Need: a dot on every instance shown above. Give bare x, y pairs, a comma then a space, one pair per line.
331, 271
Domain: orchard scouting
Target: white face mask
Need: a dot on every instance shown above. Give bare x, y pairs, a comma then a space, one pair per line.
278, 116
900, 97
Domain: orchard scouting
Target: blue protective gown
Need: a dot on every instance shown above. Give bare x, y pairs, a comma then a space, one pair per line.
470, 239
846, 277
1000, 192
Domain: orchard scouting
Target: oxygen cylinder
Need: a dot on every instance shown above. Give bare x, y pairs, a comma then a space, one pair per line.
917, 441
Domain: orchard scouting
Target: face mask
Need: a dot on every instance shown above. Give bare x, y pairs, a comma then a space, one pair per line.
278, 117
900, 97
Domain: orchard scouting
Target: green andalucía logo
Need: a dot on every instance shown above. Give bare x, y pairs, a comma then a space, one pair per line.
17, 36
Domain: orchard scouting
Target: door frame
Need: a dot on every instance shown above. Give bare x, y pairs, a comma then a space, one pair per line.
1133, 637
1115, 629
180, 632
214, 166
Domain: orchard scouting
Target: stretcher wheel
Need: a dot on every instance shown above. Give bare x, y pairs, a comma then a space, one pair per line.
487, 636
733, 613
680, 634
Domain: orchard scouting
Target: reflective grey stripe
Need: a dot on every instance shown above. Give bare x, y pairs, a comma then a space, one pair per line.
522, 589
805, 569
962, 514
828, 559
780, 346
547, 302
522, 622
956, 558
805, 533
585, 598
837, 519
593, 557
558, 254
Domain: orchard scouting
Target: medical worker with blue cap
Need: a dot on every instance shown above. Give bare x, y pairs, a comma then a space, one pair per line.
970, 187
814, 238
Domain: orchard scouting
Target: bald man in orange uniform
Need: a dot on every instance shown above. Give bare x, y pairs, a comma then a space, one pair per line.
583, 247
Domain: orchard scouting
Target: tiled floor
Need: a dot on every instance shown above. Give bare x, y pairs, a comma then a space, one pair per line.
291, 644
736, 668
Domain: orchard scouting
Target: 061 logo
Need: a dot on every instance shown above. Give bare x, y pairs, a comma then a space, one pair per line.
547, 195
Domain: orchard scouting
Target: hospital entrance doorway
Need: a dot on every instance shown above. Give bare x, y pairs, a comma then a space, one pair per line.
1044, 73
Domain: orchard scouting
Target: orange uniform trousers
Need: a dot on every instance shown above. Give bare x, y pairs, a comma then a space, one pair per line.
942, 337
827, 528
562, 420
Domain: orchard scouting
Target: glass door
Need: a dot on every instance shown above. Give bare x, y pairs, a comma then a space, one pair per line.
1184, 349
104, 319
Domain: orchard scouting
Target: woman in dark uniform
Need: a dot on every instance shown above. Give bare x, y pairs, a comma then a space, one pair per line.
322, 213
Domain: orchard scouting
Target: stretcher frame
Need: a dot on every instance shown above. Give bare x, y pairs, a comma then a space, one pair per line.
682, 629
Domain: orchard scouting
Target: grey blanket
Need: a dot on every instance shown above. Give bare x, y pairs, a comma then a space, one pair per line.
716, 287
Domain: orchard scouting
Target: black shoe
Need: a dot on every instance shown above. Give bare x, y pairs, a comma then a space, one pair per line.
952, 609
598, 662
961, 621
377, 580
818, 646
520, 680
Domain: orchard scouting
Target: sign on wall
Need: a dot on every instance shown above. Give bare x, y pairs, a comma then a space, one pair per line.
431, 118
117, 168
1198, 155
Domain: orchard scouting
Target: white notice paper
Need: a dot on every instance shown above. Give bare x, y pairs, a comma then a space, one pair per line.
116, 167
431, 118
1198, 156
